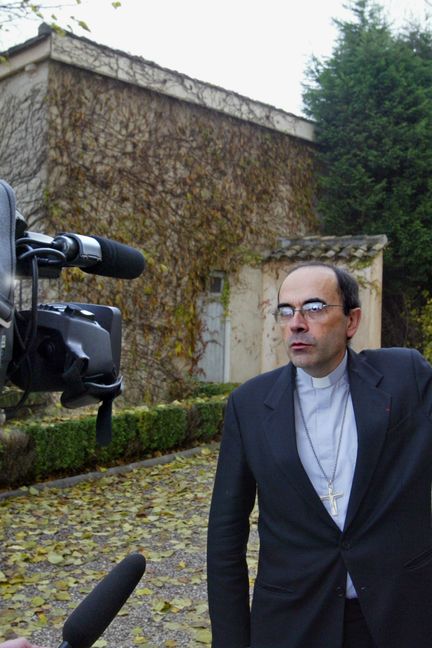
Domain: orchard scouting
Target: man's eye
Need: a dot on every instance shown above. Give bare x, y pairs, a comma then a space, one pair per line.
286, 311
313, 307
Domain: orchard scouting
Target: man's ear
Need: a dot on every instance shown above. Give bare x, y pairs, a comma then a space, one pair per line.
353, 322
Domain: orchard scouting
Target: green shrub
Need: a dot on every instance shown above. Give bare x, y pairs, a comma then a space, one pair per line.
145, 418
206, 419
126, 443
64, 445
423, 318
46, 448
207, 390
168, 427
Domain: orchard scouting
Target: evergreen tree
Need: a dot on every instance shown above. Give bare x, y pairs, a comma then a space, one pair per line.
372, 103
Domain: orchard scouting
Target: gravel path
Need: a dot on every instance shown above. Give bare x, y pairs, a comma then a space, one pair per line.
58, 543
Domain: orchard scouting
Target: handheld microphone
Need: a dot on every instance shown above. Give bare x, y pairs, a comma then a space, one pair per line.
101, 256
94, 614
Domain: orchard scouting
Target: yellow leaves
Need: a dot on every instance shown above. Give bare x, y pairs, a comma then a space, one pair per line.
178, 603
161, 605
63, 584
58, 546
137, 631
84, 26
156, 556
62, 596
37, 601
203, 636
201, 609
143, 591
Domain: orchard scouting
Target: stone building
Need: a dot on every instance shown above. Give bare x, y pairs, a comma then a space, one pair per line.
251, 324
204, 181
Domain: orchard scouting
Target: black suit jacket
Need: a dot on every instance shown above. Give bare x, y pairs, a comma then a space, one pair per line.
386, 544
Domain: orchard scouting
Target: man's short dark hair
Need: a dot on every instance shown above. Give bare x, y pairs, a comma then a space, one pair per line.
347, 285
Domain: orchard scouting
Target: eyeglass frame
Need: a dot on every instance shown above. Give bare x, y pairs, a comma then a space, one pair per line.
306, 314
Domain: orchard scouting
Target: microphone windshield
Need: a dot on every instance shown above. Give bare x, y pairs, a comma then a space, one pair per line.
94, 614
118, 260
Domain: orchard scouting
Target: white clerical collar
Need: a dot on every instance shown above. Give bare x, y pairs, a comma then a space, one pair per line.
332, 378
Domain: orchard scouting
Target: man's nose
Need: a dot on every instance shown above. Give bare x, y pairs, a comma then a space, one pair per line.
298, 322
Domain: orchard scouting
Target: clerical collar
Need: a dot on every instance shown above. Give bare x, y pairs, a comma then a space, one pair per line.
332, 378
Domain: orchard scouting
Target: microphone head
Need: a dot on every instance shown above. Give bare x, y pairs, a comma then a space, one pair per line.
94, 614
118, 260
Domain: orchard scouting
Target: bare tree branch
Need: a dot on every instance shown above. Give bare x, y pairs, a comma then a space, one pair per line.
14, 11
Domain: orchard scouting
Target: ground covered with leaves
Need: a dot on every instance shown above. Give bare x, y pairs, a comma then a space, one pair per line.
57, 544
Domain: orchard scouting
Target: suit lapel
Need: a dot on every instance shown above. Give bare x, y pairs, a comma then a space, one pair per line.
281, 437
372, 410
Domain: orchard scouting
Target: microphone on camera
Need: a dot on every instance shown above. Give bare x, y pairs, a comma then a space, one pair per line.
101, 256
94, 614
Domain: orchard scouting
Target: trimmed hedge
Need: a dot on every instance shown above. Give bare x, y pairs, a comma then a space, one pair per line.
210, 389
206, 419
38, 450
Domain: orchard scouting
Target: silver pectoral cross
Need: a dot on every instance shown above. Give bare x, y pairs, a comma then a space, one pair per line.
331, 497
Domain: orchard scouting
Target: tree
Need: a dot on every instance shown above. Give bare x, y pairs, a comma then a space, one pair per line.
372, 103
15, 11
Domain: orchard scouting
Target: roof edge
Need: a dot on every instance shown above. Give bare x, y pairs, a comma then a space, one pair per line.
32, 51
329, 248
83, 53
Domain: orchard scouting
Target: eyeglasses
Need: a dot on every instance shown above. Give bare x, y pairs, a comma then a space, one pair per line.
310, 311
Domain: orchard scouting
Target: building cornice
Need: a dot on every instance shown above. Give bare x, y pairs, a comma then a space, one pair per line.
100, 59
330, 249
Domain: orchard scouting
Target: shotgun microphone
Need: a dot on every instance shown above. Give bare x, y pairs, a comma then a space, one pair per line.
94, 614
100, 256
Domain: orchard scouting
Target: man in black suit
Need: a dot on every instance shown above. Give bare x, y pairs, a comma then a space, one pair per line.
337, 447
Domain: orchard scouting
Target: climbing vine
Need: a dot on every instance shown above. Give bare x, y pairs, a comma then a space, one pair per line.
196, 191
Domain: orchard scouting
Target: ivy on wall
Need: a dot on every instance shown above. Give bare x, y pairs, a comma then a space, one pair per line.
195, 190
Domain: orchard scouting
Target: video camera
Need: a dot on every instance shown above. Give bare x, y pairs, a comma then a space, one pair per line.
72, 347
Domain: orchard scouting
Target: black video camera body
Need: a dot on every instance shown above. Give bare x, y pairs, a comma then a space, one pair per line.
72, 348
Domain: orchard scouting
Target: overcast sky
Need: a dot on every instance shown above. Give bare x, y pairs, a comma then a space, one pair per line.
258, 48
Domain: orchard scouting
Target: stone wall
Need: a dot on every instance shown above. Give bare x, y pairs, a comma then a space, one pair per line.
195, 190
107, 144
24, 138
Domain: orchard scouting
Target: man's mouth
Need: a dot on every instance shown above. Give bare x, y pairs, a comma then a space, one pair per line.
298, 346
